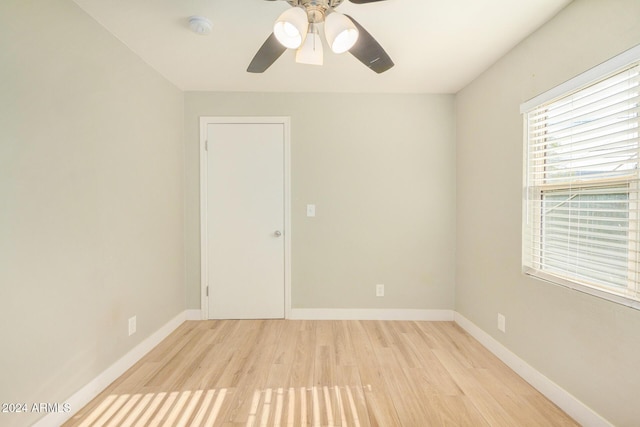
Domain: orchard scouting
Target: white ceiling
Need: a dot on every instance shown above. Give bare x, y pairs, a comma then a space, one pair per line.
438, 46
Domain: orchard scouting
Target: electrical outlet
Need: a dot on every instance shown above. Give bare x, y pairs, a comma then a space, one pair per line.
132, 325
311, 210
502, 322
380, 290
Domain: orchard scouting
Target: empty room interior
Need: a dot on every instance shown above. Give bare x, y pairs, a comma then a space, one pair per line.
197, 228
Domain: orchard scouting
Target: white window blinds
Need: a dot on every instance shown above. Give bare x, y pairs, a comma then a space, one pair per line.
581, 226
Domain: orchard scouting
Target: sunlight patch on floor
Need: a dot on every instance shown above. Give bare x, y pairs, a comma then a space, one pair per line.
281, 407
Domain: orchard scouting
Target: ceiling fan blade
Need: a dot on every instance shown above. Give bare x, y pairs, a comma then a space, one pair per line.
270, 50
363, 1
368, 51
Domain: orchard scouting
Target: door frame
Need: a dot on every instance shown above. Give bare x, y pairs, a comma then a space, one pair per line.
205, 121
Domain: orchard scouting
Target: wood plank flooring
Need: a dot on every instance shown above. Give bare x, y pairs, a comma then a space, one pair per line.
319, 373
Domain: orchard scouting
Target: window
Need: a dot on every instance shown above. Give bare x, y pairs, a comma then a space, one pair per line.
581, 223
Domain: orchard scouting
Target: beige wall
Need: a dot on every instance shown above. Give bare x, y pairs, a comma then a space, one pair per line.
380, 170
588, 346
91, 201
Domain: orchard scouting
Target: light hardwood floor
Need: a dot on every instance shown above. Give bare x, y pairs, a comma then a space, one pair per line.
320, 373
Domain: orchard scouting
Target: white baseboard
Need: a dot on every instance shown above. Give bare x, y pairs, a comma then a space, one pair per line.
99, 383
369, 314
566, 401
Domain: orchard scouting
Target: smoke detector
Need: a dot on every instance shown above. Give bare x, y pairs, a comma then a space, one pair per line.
200, 25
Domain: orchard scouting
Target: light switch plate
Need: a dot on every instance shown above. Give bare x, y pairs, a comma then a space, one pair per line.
311, 210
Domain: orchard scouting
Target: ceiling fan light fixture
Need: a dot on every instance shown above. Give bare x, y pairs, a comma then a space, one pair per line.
291, 27
311, 50
340, 32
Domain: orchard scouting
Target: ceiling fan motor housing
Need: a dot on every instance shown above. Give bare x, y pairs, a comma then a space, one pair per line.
326, 3
316, 9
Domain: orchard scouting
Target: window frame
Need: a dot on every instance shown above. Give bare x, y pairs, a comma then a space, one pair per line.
534, 226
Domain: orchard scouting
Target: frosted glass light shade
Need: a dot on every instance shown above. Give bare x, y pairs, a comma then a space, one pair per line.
291, 27
340, 32
311, 51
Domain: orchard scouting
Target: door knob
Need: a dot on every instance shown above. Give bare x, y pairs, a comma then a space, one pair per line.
278, 233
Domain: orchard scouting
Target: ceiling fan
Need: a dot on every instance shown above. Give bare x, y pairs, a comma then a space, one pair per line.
298, 28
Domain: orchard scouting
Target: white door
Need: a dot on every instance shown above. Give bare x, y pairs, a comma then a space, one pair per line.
245, 220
